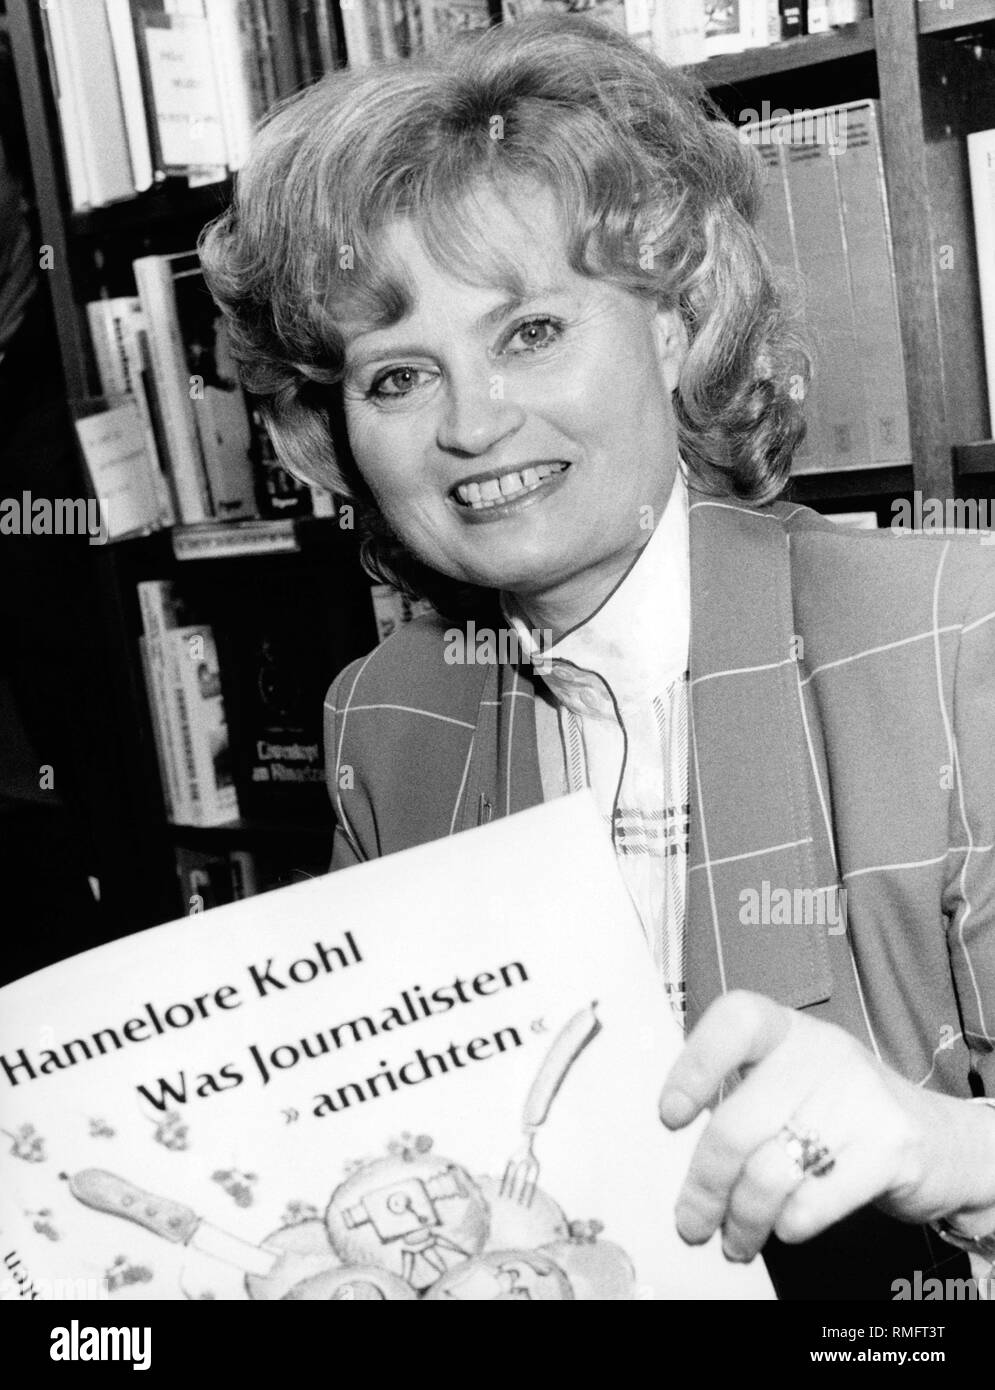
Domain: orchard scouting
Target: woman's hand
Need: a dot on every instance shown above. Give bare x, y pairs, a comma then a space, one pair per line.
916, 1154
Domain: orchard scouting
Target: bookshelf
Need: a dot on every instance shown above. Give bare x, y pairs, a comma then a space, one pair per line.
932, 67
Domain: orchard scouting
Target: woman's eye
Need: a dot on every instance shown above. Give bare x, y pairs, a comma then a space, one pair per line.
399, 381
534, 335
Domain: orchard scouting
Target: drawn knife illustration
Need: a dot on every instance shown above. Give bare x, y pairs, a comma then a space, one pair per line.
106, 1192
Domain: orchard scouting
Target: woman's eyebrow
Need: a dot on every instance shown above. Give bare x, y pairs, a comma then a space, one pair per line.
486, 321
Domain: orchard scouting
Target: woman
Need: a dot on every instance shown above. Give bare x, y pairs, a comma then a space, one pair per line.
510, 302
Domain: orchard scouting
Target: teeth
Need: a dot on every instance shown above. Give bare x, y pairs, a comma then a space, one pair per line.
494, 490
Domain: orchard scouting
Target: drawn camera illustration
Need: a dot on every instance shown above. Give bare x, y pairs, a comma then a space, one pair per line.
401, 1208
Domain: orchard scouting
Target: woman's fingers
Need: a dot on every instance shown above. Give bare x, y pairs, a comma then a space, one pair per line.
737, 1030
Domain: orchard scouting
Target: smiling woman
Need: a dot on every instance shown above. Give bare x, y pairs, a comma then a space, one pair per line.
510, 299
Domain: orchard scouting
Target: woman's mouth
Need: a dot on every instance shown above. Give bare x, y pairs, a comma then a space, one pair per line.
481, 495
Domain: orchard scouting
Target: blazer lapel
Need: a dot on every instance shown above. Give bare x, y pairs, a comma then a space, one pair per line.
756, 835
503, 770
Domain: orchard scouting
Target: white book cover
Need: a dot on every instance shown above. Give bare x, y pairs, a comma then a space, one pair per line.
121, 473
727, 26
434, 1076
981, 158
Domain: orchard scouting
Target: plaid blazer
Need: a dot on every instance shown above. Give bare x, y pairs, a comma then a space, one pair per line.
842, 732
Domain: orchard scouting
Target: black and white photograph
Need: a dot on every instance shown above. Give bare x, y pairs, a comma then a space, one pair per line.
497, 509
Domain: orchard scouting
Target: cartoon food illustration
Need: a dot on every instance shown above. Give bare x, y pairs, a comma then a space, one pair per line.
305, 1251
514, 1227
407, 1225
503, 1275
416, 1216
597, 1269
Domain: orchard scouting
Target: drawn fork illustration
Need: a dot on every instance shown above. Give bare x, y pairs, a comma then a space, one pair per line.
521, 1175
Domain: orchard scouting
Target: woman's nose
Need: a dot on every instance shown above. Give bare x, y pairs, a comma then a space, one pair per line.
477, 415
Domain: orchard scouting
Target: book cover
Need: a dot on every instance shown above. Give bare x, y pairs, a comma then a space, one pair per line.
181, 91
278, 658
981, 160
112, 441
361, 1087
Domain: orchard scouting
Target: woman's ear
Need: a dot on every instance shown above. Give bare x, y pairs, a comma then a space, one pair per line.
671, 340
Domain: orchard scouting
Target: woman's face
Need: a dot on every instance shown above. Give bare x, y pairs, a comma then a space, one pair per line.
530, 446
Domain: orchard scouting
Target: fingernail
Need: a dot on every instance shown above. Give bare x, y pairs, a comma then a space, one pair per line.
676, 1108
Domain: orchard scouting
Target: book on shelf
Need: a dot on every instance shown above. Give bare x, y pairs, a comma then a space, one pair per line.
113, 444
981, 162
279, 655
183, 679
98, 156
826, 227
392, 609
119, 333
149, 89
206, 419
381, 1084
210, 880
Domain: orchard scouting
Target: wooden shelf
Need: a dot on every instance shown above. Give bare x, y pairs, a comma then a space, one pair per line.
975, 458
307, 835
169, 202
935, 17
733, 68
862, 482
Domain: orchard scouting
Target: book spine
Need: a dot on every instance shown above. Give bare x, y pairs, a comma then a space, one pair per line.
168, 773
818, 17
794, 18
60, 71
678, 32
169, 364
233, 91
104, 317
203, 726
188, 761
264, 50
981, 162
129, 80
358, 48
155, 621
838, 380
136, 347
863, 201
282, 47
330, 54
102, 125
